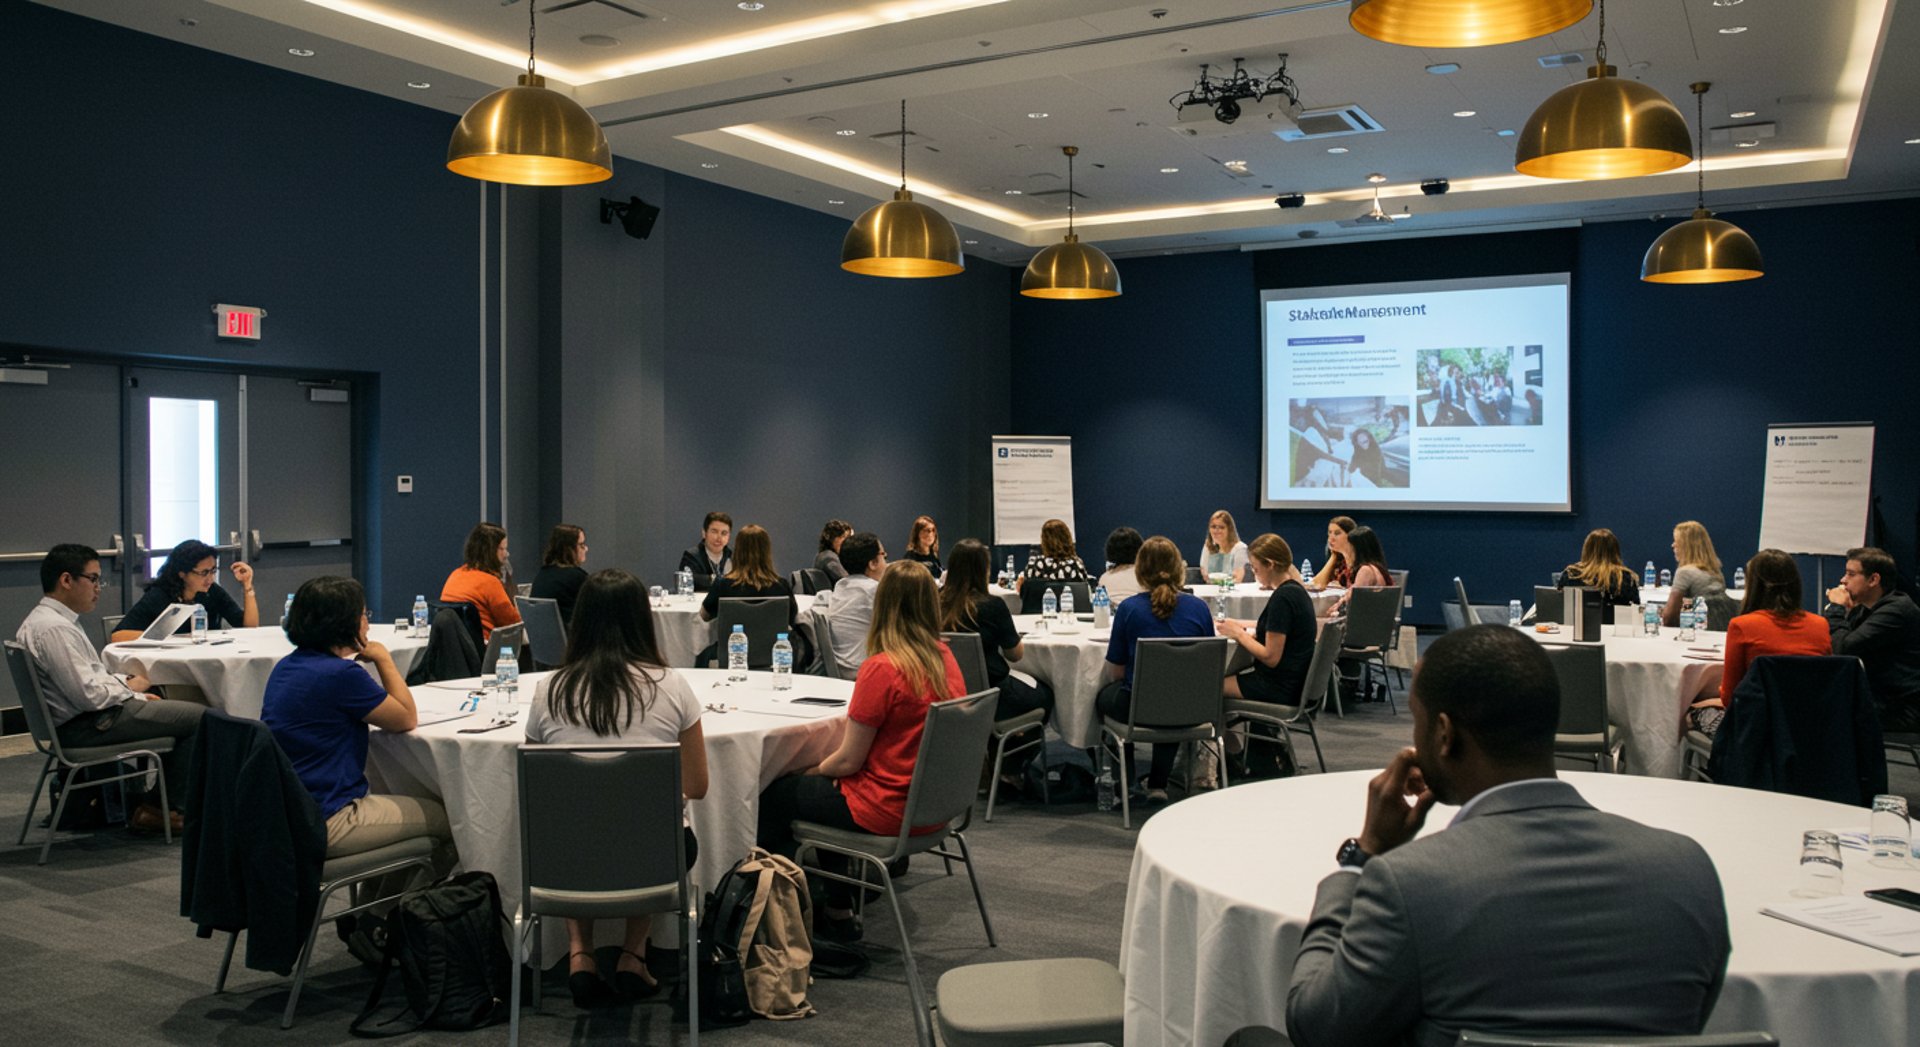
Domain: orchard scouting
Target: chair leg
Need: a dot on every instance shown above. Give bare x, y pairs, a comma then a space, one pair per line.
691, 973
46, 772
993, 790
226, 963
1125, 785
979, 899
1222, 743
519, 942
1317, 754
53, 827
922, 1020
166, 810
306, 955
1386, 684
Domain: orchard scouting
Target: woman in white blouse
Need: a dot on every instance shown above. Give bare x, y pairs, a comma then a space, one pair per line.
1223, 552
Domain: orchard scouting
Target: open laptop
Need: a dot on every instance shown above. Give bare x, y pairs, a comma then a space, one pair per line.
160, 633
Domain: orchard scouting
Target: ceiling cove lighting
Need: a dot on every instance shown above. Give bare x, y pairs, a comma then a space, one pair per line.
1070, 269
903, 237
1463, 23
1603, 127
1703, 249
529, 135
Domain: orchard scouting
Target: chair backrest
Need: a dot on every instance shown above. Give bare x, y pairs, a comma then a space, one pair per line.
33, 703
1371, 614
1583, 690
1466, 609
764, 617
1707, 1039
797, 581
1034, 590
546, 633
946, 773
1550, 604
1326, 659
1803, 725
503, 636
1176, 680
1399, 578
572, 847
1721, 609
1196, 575
971, 653
108, 623
469, 617
823, 637
817, 580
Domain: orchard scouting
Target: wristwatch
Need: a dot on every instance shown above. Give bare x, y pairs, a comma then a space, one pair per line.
1350, 856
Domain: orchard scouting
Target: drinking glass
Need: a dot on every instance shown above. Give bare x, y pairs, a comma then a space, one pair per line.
1890, 831
401, 627
1819, 864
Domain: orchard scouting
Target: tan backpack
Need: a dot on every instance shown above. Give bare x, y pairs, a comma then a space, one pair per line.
764, 913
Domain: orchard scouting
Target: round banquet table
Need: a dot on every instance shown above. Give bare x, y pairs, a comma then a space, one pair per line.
233, 676
759, 737
1248, 599
1650, 682
1072, 659
1657, 594
1223, 884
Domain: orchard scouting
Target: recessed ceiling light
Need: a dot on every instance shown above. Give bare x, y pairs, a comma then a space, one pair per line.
846, 132
418, 85
836, 202
709, 166
1732, 29
1038, 116
300, 52
189, 23
1913, 141
1748, 144
1505, 132
1728, 3
969, 242
1376, 178
1337, 150
1742, 114
1464, 112
1012, 192
1443, 68
749, 5
1169, 170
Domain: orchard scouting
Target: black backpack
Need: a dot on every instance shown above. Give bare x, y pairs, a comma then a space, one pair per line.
723, 984
448, 941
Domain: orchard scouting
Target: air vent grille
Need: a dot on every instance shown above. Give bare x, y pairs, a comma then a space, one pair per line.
1332, 122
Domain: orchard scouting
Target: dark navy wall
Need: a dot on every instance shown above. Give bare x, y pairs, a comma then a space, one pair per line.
1672, 389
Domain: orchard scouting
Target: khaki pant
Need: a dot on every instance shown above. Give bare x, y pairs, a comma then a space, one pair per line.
378, 820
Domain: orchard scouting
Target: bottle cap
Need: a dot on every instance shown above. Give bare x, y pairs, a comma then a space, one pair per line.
739, 628
781, 635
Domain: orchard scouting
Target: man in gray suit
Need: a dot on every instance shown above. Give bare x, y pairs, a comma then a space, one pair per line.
1532, 914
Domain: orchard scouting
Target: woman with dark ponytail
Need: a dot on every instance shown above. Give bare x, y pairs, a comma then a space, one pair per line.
1163, 608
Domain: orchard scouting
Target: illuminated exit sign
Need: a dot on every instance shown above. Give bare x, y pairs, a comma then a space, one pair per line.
238, 321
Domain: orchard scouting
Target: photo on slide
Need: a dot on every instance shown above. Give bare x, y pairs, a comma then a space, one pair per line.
1349, 441
1478, 386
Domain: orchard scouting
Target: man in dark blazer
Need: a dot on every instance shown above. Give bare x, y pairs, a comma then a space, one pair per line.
1532, 913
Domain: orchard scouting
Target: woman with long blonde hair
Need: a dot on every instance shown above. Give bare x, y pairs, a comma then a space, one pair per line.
1697, 569
1601, 568
1162, 608
1223, 552
863, 786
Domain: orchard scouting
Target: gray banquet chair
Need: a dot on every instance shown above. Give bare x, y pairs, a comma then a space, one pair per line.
1373, 617
1027, 1003
144, 755
946, 779
1313, 698
1549, 604
502, 636
764, 617
1176, 699
970, 652
823, 635
592, 861
546, 633
1584, 732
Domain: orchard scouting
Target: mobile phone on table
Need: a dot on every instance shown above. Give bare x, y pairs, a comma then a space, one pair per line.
1897, 896
820, 701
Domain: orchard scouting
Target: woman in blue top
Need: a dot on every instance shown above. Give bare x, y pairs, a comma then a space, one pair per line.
319, 702
1163, 608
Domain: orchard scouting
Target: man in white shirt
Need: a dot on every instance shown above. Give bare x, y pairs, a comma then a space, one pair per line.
88, 705
850, 610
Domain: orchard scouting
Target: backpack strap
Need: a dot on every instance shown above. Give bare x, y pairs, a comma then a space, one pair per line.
387, 958
763, 873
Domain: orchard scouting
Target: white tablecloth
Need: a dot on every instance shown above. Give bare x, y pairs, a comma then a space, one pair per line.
1650, 682
1222, 886
682, 635
759, 738
1657, 594
1073, 663
1248, 600
233, 676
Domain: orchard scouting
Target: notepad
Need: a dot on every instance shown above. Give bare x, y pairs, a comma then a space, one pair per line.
1888, 928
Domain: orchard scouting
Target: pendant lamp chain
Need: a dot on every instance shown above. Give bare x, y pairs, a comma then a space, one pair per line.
903, 143
1700, 138
531, 4
1070, 154
1600, 49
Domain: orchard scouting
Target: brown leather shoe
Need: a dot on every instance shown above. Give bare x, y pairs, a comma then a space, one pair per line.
146, 819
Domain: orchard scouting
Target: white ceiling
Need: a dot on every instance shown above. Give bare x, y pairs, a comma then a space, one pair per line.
754, 100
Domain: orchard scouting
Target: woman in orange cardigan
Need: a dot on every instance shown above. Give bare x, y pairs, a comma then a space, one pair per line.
1771, 621
478, 580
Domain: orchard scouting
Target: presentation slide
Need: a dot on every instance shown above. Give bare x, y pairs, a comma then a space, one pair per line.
1443, 394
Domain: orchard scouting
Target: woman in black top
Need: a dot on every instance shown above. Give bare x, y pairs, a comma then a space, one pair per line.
188, 577
1281, 642
923, 546
828, 560
752, 575
1600, 568
967, 606
562, 569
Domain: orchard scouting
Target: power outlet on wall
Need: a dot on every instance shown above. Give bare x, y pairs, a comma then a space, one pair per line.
403, 484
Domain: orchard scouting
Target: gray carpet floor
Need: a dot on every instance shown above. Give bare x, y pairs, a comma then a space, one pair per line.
92, 951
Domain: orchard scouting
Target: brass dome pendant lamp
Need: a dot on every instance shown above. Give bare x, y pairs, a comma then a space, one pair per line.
1070, 269
902, 237
1603, 127
1463, 23
530, 135
1703, 249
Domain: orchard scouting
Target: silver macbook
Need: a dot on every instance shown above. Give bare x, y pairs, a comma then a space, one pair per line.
160, 633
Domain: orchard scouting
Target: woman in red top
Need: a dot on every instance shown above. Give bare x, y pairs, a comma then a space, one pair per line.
1771, 621
479, 581
863, 785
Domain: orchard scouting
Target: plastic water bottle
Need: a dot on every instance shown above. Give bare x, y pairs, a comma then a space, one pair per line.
1066, 602
1106, 797
420, 617
1650, 620
683, 582
1049, 606
506, 681
1513, 613
1647, 579
286, 611
1219, 608
1102, 608
1700, 613
782, 663
1686, 624
1666, 578
1739, 578
737, 654
199, 624
1306, 568
1009, 576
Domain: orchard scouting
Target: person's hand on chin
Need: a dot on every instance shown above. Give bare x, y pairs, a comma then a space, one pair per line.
1391, 819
